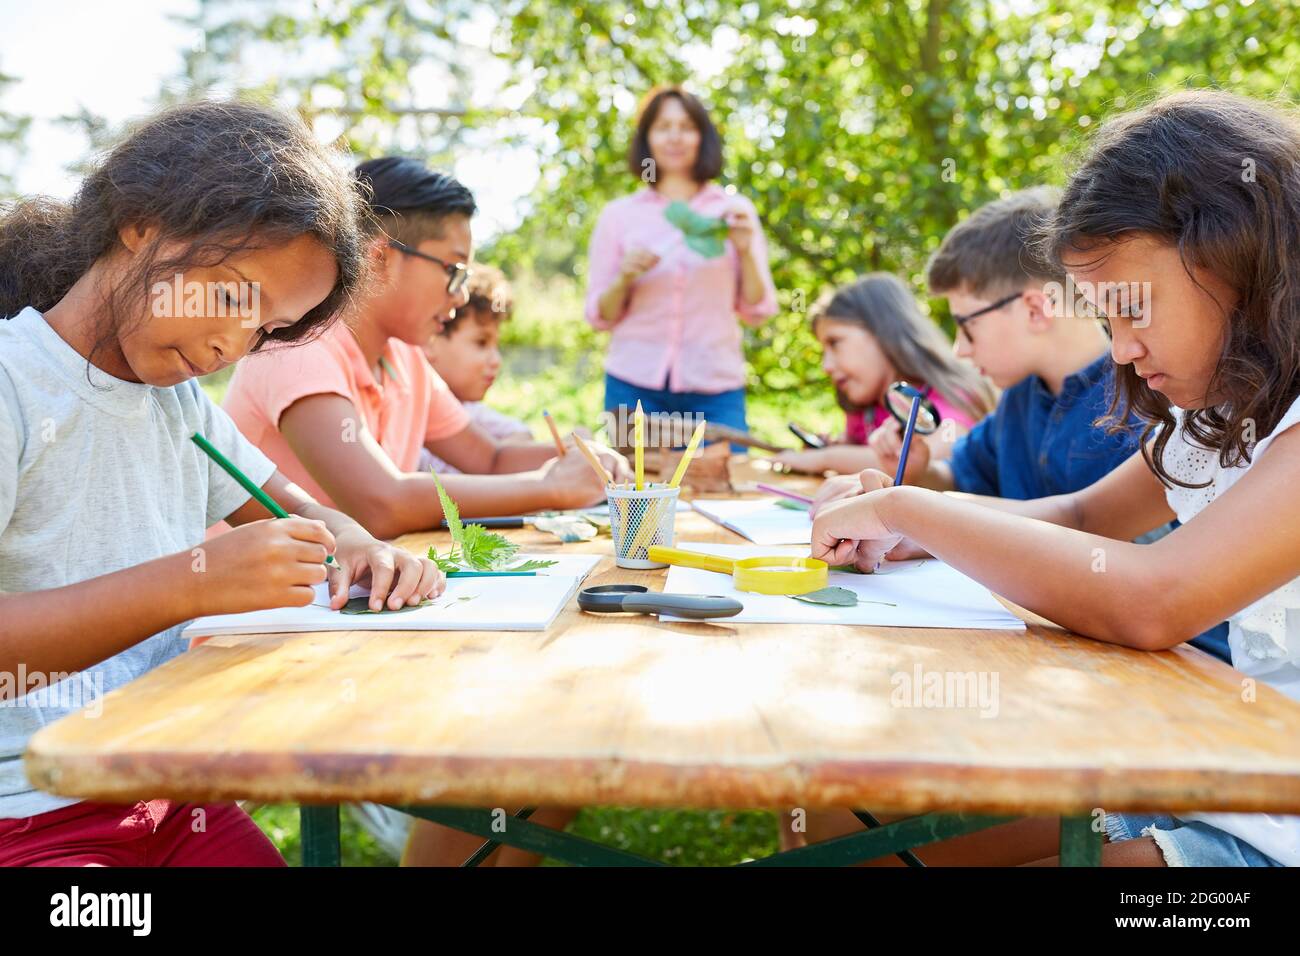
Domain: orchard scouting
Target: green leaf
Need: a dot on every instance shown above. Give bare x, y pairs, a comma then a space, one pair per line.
361, 605
445, 565
836, 597
705, 234
484, 550
449, 510
474, 547
533, 565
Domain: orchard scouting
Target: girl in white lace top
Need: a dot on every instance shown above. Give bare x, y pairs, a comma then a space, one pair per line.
1181, 230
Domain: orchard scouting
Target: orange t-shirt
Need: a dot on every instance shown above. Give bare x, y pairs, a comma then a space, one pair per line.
411, 405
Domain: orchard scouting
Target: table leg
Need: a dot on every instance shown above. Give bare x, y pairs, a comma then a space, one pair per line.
883, 840
526, 835
486, 850
1080, 842
320, 835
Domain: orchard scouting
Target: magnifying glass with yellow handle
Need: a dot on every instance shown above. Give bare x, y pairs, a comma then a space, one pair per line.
765, 575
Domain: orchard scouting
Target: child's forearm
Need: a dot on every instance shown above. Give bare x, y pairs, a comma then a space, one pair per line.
1107, 589
1058, 510
72, 628
847, 459
937, 476
512, 458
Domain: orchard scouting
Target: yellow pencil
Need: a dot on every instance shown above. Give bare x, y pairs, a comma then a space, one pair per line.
591, 457
685, 463
555, 432
639, 429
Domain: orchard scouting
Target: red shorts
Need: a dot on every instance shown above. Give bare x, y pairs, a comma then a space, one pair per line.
150, 833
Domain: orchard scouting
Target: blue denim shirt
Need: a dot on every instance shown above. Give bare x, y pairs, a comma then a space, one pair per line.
1037, 444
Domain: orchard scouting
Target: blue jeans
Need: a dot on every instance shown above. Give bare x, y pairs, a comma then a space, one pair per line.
720, 408
1186, 843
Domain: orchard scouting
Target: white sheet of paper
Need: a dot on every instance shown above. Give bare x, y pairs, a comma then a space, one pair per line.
494, 604
926, 593
763, 522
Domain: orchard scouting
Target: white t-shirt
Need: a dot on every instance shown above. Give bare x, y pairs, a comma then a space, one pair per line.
497, 424
96, 475
1264, 637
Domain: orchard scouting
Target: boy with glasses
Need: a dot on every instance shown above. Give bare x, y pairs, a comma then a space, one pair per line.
1054, 368
348, 415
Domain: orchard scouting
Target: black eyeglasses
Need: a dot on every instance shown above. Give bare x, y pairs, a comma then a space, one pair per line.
457, 272
962, 320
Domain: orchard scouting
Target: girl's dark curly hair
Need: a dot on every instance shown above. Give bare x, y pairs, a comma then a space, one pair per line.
217, 177
1218, 177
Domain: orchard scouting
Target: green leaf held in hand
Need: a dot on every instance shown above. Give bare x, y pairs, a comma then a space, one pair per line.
704, 234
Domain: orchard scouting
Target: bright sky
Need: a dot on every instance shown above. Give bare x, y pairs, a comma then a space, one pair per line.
68, 54
113, 58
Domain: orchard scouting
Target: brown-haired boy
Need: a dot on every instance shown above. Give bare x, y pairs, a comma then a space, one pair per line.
466, 354
1055, 368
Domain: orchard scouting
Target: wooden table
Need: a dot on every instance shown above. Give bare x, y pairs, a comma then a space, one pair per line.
631, 711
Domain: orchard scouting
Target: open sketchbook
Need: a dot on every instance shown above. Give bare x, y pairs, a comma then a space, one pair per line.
925, 593
763, 522
468, 604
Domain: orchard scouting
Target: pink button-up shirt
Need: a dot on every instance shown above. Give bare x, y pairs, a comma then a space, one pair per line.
679, 321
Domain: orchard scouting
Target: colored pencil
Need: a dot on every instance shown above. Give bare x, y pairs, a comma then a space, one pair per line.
685, 463
593, 460
228, 466
781, 492
907, 440
555, 433
639, 434
491, 574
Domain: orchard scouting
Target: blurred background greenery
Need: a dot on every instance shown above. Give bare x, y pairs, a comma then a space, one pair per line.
862, 130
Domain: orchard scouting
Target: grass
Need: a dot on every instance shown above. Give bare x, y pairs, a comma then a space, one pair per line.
551, 359
676, 837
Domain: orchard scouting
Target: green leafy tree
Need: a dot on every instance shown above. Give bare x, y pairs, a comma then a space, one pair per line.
862, 129
13, 132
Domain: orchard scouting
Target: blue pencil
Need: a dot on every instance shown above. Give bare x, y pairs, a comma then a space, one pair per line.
907, 438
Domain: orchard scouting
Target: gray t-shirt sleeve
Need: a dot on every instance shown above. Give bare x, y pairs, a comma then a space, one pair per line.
11, 448
225, 495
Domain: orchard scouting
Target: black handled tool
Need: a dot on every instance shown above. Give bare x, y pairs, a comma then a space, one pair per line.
633, 598
804, 435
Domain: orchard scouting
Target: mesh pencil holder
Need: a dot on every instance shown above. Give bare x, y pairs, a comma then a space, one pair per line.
639, 520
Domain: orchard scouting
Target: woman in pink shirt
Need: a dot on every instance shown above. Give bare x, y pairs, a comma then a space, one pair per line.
872, 334
675, 344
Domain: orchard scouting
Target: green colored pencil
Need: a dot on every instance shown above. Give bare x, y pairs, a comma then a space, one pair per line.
491, 574
229, 467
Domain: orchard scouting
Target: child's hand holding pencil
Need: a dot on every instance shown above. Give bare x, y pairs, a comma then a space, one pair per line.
278, 563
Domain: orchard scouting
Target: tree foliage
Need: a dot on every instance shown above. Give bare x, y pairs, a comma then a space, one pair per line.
862, 129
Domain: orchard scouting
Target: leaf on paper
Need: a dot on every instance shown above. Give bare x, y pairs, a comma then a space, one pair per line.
361, 605
536, 564
474, 547
836, 597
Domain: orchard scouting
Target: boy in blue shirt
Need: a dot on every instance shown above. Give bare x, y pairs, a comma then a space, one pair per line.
1055, 371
